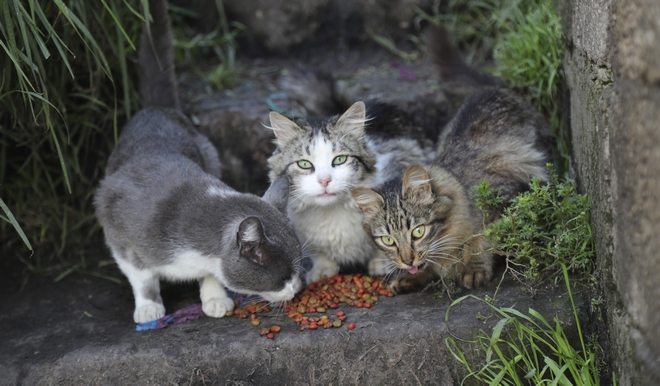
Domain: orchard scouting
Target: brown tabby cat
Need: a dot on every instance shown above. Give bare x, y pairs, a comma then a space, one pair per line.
426, 221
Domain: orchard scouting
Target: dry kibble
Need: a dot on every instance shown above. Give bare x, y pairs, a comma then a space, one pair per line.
317, 298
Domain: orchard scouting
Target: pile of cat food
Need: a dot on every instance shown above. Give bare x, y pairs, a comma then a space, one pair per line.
311, 308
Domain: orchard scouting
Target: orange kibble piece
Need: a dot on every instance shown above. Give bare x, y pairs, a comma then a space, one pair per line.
350, 326
313, 326
275, 329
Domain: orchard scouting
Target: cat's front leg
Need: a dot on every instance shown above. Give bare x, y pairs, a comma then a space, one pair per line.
146, 290
323, 267
478, 267
215, 302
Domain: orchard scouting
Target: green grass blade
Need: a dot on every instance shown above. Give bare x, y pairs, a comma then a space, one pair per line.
15, 224
118, 25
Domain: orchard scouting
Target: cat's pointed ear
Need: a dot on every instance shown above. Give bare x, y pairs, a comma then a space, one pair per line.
353, 119
369, 201
284, 129
278, 193
250, 234
416, 183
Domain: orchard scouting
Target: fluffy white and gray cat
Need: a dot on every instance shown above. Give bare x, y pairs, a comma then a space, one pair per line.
324, 159
166, 214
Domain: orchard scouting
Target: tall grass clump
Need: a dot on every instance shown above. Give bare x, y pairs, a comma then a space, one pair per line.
527, 349
68, 84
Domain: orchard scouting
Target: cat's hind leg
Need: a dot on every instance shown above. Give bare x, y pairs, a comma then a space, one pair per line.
215, 302
146, 290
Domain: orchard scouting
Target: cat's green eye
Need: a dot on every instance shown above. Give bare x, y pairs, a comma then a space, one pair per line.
387, 240
340, 159
304, 164
418, 232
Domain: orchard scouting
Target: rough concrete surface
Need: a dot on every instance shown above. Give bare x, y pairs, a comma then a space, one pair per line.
612, 72
80, 331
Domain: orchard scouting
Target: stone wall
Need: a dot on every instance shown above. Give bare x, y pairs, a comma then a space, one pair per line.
612, 66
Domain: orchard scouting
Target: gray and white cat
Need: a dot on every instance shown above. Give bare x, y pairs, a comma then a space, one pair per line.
324, 159
166, 214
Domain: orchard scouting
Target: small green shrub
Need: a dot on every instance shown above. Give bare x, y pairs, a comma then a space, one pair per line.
542, 229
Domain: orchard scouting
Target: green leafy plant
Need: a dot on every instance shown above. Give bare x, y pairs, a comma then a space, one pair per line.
527, 349
542, 229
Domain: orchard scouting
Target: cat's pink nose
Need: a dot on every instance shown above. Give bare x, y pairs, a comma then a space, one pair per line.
324, 182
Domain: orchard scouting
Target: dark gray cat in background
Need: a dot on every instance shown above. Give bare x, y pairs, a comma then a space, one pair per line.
166, 214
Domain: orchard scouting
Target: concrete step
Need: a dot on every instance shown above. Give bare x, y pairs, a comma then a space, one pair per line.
80, 331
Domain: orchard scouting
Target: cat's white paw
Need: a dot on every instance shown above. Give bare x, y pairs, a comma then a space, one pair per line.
148, 313
379, 266
322, 268
217, 307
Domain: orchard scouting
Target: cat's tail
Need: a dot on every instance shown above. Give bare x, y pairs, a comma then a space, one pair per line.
450, 65
316, 91
158, 87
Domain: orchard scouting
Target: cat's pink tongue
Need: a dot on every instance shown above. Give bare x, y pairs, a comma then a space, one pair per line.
412, 270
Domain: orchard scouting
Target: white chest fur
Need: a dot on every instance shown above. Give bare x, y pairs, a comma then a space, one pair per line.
334, 232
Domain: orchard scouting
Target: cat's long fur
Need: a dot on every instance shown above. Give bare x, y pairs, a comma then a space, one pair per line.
166, 214
426, 220
326, 218
494, 138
